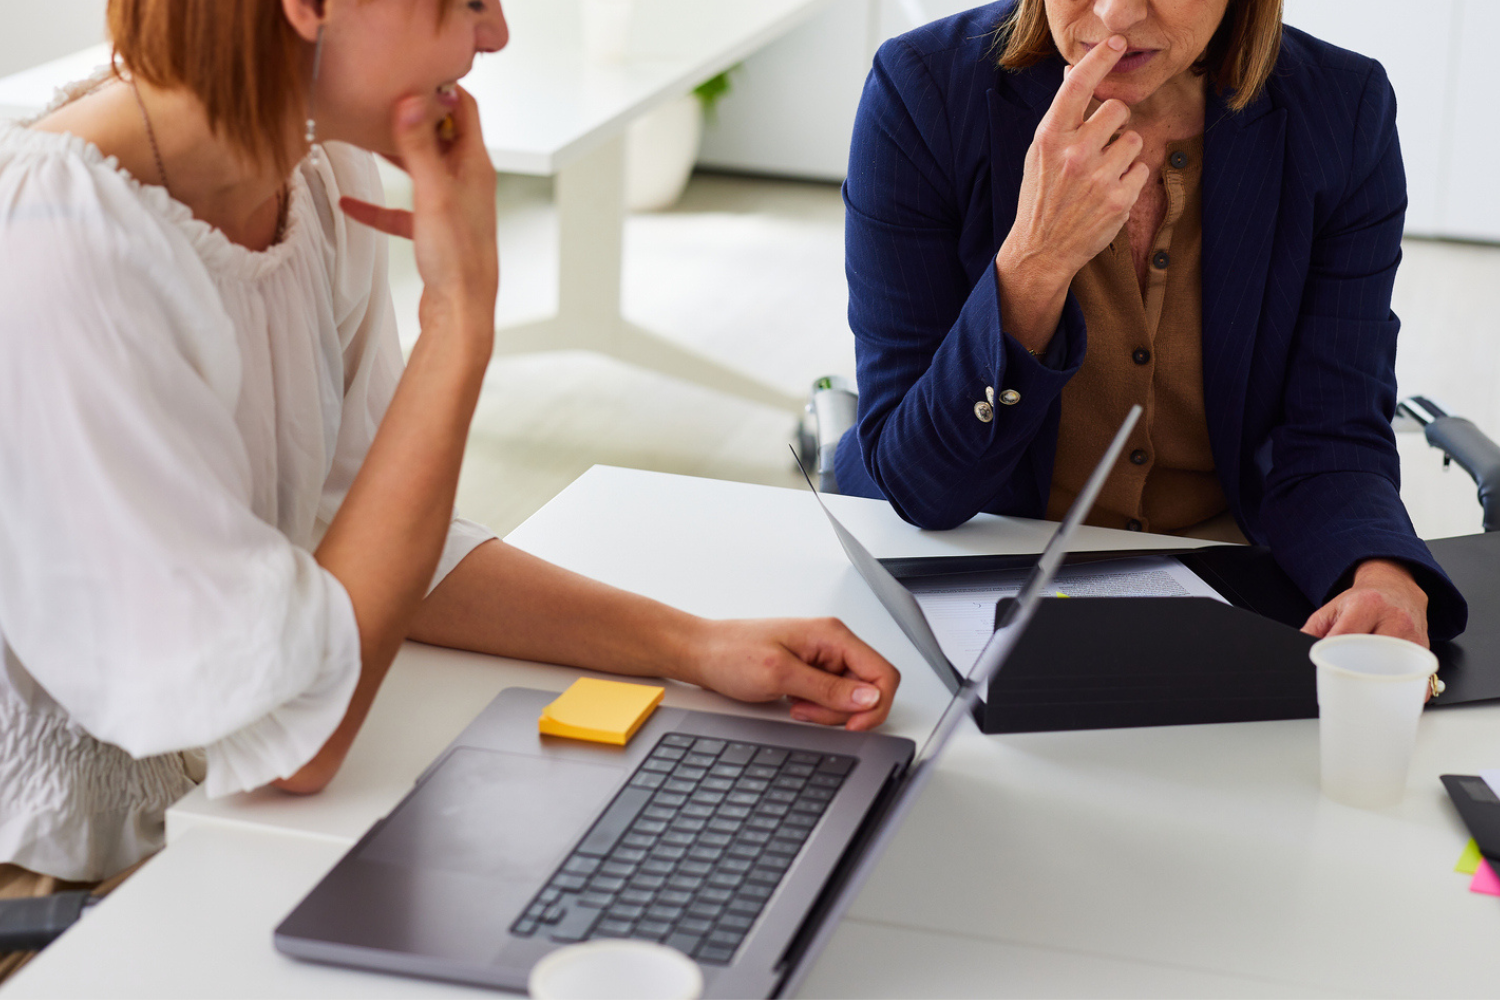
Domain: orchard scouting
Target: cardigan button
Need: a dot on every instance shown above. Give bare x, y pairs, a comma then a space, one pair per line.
1179, 159
1010, 397
1160, 260
1132, 525
1141, 356
984, 411
1138, 457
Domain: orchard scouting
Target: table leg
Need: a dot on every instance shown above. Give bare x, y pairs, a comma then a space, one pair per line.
590, 198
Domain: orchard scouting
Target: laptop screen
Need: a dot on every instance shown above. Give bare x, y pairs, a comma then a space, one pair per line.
908, 614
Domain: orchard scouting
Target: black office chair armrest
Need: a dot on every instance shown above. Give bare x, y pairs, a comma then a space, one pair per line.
1467, 445
1464, 443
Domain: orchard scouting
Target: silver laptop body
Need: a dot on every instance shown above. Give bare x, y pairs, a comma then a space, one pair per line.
441, 887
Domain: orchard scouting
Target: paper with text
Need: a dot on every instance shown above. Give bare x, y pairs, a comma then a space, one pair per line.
962, 611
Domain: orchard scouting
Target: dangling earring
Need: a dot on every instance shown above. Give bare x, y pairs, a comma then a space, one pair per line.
311, 135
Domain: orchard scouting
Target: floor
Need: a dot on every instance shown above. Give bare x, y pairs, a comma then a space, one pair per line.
750, 271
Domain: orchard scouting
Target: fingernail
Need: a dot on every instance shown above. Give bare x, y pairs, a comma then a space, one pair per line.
865, 696
799, 715
447, 96
1117, 42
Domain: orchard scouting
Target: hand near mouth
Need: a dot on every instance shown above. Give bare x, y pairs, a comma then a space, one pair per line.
1082, 177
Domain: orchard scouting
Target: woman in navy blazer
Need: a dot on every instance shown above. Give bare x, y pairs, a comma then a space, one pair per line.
1303, 198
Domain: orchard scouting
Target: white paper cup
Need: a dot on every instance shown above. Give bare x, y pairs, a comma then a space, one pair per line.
606, 28
1369, 700
616, 970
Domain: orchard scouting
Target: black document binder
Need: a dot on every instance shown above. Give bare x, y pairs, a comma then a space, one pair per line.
1111, 662
1114, 662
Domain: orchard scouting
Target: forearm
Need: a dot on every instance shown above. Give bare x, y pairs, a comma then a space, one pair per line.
385, 541
933, 430
1032, 294
507, 602
504, 601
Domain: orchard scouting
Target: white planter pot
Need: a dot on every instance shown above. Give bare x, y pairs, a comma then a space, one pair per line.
660, 150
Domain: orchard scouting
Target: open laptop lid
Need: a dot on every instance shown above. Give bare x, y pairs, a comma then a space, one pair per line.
904, 608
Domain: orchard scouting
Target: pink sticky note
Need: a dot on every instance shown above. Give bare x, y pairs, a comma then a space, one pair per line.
1485, 880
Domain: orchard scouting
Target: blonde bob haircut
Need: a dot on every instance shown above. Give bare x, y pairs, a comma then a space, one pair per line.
1239, 59
241, 58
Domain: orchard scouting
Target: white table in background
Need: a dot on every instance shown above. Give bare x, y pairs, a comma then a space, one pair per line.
1175, 861
547, 110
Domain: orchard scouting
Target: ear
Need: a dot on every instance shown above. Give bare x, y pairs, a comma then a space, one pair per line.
305, 17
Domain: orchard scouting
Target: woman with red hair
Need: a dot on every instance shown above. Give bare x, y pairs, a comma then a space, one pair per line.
224, 503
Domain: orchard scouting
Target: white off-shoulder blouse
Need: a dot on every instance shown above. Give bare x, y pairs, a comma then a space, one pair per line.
180, 419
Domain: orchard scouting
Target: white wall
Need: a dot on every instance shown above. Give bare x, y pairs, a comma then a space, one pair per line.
1414, 43
1469, 207
792, 108
35, 31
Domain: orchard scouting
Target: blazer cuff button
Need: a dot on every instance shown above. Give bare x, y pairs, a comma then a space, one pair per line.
984, 411
1010, 397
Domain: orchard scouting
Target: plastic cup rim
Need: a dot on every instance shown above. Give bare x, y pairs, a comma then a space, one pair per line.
1343, 640
574, 952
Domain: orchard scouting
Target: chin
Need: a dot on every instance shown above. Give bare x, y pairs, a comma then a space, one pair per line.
1128, 94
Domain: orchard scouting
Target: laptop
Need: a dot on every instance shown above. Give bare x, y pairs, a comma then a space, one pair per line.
739, 841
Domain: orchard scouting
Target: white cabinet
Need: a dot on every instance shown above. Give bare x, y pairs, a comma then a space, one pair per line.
791, 110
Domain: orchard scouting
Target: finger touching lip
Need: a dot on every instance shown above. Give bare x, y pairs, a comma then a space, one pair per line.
1132, 59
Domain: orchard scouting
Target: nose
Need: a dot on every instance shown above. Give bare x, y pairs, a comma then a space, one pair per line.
492, 33
1119, 16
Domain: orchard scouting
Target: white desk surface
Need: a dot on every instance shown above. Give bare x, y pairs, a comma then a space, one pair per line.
1175, 861
543, 104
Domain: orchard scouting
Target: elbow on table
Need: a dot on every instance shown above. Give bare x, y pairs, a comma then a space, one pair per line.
314, 776
920, 495
930, 516
310, 779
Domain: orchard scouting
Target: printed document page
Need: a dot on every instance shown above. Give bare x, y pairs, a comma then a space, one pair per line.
962, 612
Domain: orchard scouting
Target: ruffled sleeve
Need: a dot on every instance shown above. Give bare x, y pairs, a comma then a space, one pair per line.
137, 587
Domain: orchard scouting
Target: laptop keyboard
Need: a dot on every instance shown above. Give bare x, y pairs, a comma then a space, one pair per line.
691, 848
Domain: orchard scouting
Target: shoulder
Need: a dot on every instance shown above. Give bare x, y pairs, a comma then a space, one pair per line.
335, 171
969, 33
951, 51
93, 264
354, 255
58, 190
75, 223
1340, 114
339, 170
1316, 79
937, 80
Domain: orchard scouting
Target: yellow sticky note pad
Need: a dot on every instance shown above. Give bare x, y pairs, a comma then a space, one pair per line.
600, 711
1468, 862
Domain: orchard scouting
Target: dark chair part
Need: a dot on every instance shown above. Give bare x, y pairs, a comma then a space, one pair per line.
32, 924
1462, 442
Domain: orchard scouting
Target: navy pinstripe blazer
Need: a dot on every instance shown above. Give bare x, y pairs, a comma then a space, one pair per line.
1303, 201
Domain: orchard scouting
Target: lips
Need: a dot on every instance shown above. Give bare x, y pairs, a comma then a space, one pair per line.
1132, 60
